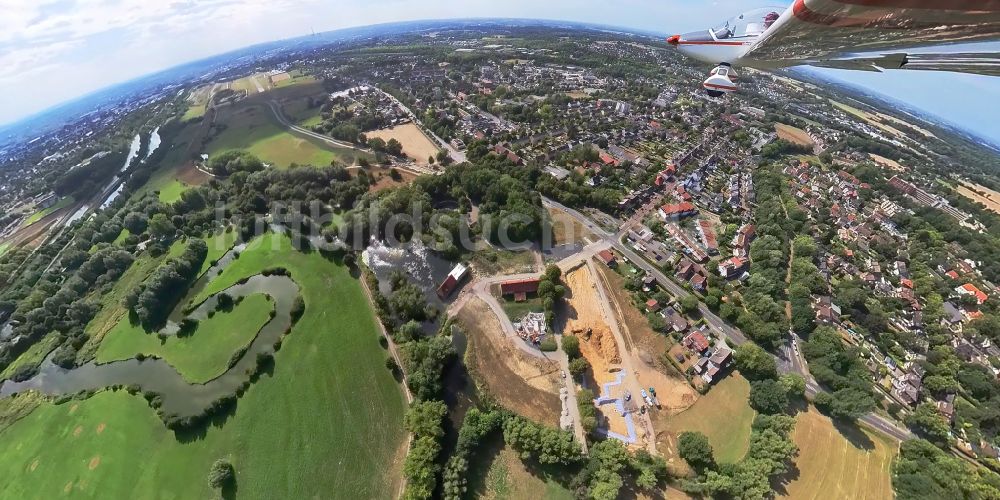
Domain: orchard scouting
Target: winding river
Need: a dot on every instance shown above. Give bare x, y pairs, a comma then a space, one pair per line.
179, 397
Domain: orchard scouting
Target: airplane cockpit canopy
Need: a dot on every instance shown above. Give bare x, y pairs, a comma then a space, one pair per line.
750, 23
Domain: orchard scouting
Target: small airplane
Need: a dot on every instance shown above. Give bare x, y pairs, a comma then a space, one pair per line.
862, 35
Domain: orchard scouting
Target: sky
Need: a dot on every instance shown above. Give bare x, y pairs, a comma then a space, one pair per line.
54, 50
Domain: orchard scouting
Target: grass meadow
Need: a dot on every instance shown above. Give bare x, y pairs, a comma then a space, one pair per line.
200, 356
254, 128
723, 415
327, 423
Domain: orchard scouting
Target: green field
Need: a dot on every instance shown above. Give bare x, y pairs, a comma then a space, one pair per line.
200, 356
517, 310
496, 472
197, 101
254, 128
194, 110
297, 78
298, 111
41, 214
723, 415
112, 310
165, 179
121, 237
325, 424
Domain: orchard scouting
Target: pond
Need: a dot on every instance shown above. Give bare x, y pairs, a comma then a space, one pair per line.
422, 266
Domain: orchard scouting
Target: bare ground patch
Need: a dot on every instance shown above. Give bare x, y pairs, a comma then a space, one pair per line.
416, 145
190, 175
672, 389
793, 134
383, 177
527, 385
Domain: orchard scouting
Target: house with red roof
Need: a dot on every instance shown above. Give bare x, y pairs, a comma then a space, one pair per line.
519, 288
608, 159
676, 211
970, 289
732, 267
607, 257
696, 342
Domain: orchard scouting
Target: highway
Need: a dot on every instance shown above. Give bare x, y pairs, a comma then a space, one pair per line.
788, 362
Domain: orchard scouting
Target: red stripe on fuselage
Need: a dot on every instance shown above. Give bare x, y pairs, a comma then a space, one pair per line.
717, 86
682, 42
953, 5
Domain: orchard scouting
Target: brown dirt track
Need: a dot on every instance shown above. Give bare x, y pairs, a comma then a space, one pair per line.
584, 315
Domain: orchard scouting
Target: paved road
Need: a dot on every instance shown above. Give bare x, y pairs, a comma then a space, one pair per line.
304, 131
787, 363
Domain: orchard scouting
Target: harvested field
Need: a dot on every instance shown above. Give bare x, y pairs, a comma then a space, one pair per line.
279, 77
838, 463
792, 134
288, 79
672, 389
416, 145
875, 120
887, 163
566, 229
529, 386
980, 194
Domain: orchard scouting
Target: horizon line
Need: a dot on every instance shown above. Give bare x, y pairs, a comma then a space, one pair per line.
14, 122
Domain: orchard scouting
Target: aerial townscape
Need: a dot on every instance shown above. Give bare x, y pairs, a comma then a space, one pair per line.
496, 259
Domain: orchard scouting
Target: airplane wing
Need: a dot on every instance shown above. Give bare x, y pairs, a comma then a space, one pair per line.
872, 35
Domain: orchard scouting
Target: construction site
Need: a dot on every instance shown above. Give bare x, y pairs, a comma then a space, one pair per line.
622, 414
